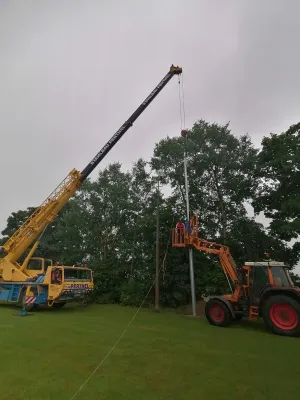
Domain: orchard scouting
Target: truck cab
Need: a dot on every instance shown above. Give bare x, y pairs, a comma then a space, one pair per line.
65, 283
68, 284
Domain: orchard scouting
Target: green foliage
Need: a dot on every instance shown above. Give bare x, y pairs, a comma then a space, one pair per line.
278, 170
249, 241
220, 169
133, 293
110, 223
14, 221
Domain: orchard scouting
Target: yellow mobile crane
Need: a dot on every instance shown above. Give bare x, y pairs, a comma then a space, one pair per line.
37, 281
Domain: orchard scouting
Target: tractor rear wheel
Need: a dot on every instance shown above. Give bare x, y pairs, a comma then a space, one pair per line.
281, 315
217, 313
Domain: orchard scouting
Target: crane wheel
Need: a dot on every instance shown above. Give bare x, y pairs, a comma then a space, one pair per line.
28, 307
217, 313
31, 307
281, 315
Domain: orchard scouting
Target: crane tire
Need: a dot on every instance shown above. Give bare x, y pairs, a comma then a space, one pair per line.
28, 307
217, 313
58, 305
31, 307
281, 315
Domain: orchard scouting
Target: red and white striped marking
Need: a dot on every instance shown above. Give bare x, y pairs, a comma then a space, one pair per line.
30, 299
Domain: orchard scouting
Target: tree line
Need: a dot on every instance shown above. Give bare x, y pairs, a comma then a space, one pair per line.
110, 224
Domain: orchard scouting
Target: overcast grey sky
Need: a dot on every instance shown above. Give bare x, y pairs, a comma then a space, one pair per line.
73, 71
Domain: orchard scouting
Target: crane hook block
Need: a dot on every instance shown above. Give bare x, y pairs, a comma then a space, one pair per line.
184, 133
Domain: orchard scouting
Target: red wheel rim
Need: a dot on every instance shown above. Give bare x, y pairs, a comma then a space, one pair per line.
216, 313
284, 316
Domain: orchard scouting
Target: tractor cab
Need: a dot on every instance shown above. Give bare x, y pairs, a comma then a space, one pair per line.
262, 275
272, 273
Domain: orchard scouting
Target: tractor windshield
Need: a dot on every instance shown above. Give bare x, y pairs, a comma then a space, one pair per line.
289, 277
280, 277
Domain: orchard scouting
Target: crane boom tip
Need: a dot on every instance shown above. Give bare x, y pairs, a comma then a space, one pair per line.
175, 70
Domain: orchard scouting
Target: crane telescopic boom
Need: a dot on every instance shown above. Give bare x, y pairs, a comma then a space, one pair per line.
127, 124
35, 225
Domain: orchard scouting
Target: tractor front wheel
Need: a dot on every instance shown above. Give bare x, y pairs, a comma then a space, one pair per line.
281, 315
217, 313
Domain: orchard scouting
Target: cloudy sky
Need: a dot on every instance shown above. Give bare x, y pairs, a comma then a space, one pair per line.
72, 71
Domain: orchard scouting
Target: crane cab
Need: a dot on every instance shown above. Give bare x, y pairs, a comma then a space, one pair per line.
37, 266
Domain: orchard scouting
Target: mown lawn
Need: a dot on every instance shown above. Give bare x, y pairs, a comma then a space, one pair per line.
50, 354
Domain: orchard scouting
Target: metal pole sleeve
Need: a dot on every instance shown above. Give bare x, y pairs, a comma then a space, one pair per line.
190, 250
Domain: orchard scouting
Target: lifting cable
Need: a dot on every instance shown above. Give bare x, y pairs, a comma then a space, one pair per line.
181, 102
182, 115
151, 286
118, 340
182, 127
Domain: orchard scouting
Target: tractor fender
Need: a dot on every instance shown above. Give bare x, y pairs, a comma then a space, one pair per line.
292, 292
227, 302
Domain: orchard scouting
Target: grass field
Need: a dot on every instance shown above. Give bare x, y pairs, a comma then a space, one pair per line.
162, 356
